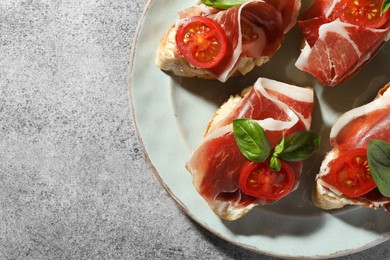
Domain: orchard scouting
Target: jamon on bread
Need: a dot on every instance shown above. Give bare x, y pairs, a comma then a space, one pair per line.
346, 173
254, 31
218, 165
341, 36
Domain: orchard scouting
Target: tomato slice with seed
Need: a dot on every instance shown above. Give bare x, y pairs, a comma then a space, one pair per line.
365, 13
350, 173
259, 180
202, 41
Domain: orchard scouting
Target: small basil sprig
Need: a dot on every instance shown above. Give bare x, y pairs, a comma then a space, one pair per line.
274, 162
296, 147
378, 156
385, 6
300, 145
253, 144
223, 4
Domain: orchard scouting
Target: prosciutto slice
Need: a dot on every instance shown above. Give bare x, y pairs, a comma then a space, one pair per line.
217, 162
254, 29
336, 50
354, 129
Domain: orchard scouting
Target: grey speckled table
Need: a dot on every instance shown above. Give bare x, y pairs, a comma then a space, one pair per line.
74, 183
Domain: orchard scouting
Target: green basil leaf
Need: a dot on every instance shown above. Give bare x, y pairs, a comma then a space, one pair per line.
385, 6
378, 155
251, 139
275, 164
279, 147
223, 4
300, 145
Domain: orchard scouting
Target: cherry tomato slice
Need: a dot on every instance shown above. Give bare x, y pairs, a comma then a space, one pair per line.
258, 180
350, 173
365, 13
202, 41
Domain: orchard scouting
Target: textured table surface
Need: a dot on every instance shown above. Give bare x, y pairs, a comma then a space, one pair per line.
74, 182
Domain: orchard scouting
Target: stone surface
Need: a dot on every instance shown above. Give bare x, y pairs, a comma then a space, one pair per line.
74, 183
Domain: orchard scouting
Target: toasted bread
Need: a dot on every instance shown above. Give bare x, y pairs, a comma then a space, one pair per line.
168, 58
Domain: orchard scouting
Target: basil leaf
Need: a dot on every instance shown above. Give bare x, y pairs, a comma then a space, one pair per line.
274, 164
300, 145
385, 6
279, 147
251, 139
223, 4
378, 155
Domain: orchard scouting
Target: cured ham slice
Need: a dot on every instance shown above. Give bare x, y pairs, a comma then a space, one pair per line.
353, 130
336, 50
217, 162
254, 31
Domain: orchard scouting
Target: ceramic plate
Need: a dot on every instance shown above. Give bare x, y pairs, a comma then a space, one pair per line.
171, 114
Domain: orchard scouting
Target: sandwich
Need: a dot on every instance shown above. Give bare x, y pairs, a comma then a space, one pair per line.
341, 36
357, 169
253, 149
220, 39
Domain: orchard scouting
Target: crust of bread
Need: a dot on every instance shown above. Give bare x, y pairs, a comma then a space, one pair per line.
330, 200
169, 59
324, 201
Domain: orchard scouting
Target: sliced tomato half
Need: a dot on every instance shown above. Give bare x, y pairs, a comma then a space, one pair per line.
366, 13
258, 180
350, 173
202, 41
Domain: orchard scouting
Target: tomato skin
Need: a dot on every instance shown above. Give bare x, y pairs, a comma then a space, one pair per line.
258, 180
366, 13
350, 173
202, 41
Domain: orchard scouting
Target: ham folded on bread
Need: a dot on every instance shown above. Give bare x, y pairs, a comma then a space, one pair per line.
335, 50
254, 30
354, 130
217, 162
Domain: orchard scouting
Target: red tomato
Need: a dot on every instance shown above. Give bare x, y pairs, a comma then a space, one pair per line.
365, 13
202, 41
258, 180
350, 173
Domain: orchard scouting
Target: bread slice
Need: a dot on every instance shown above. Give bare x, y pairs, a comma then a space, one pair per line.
327, 197
168, 58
